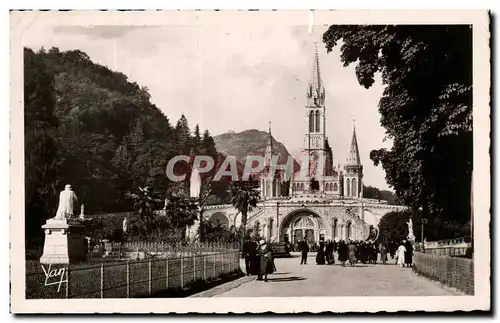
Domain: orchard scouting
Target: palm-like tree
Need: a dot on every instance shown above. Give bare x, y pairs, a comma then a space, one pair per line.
145, 201
245, 196
205, 191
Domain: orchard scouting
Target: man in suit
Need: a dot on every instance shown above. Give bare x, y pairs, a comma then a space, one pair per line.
304, 249
249, 253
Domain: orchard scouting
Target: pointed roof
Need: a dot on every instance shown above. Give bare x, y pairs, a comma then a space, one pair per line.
353, 157
315, 87
270, 138
316, 75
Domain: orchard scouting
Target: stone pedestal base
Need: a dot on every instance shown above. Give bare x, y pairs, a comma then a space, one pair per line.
64, 242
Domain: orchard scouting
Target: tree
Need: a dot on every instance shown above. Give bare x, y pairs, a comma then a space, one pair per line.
245, 197
183, 134
196, 141
205, 194
145, 202
90, 127
136, 138
426, 108
393, 227
41, 162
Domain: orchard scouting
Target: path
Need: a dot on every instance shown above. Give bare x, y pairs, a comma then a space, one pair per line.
295, 280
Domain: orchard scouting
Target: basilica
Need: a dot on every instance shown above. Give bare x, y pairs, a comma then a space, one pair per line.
323, 201
319, 175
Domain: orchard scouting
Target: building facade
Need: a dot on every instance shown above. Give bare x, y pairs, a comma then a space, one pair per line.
324, 201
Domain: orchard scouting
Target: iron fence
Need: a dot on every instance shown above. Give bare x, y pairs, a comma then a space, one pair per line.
130, 279
447, 251
452, 271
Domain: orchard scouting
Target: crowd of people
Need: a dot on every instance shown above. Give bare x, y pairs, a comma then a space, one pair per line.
259, 258
363, 252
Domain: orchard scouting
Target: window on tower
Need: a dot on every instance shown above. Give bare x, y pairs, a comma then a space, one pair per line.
311, 121
317, 121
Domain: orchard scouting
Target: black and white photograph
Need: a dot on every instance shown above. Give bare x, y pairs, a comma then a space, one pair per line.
250, 161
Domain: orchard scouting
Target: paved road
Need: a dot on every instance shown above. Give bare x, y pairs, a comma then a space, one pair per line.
293, 279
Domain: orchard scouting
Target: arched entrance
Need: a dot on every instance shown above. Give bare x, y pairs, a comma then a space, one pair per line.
301, 225
221, 219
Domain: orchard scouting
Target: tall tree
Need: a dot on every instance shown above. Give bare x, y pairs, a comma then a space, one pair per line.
41, 168
426, 108
245, 197
197, 139
183, 134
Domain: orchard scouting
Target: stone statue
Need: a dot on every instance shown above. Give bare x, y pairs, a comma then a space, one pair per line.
195, 183
124, 225
67, 198
82, 210
410, 229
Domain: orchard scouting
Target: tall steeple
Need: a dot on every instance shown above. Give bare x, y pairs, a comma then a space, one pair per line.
353, 158
269, 147
353, 177
315, 91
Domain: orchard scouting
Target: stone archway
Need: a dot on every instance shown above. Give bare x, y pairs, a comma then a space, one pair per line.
299, 225
221, 218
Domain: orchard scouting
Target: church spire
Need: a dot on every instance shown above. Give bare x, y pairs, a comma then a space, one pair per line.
315, 90
353, 158
269, 147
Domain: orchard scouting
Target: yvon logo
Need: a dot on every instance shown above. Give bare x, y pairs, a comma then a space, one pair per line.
55, 276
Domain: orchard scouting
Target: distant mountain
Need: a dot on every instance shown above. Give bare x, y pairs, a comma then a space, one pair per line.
250, 143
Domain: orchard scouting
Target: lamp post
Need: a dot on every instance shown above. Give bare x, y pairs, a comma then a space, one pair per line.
424, 221
278, 219
194, 193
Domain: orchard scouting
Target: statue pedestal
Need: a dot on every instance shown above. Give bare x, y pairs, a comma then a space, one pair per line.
64, 242
411, 238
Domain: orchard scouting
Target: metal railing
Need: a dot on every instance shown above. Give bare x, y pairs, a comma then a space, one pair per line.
452, 271
129, 279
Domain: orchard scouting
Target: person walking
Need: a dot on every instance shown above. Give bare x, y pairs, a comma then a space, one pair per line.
329, 252
400, 254
249, 253
266, 260
343, 252
383, 253
408, 254
320, 255
352, 253
304, 249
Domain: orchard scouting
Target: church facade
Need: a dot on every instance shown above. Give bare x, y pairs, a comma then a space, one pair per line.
324, 201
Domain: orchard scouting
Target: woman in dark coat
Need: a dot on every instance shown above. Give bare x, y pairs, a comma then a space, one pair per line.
383, 253
408, 254
342, 252
352, 253
320, 256
329, 253
266, 260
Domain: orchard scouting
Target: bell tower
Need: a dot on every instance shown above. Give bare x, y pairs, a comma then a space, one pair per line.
315, 137
353, 176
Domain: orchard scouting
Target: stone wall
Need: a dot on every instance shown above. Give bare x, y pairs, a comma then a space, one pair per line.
452, 271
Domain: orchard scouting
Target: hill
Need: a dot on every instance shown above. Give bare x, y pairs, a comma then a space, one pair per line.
250, 143
90, 127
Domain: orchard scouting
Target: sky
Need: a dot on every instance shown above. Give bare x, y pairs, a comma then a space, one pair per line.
234, 77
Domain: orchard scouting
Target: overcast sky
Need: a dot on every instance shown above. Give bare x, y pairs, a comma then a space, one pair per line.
235, 78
